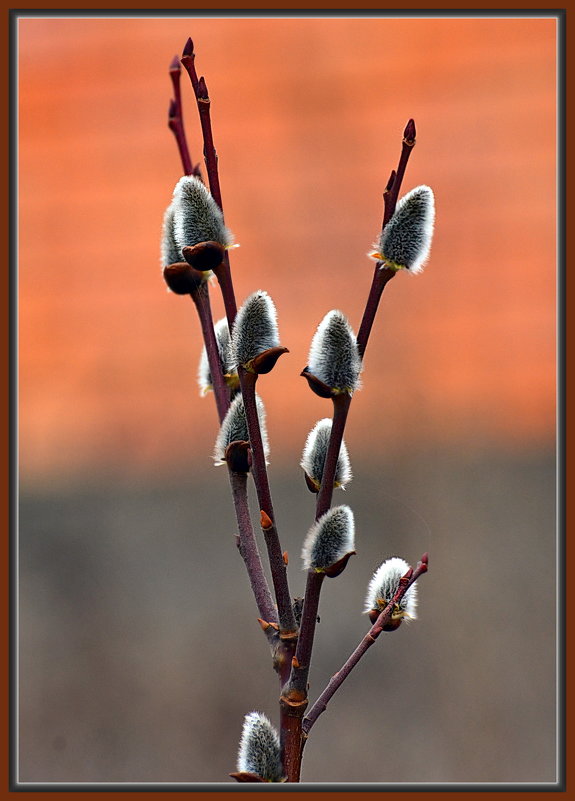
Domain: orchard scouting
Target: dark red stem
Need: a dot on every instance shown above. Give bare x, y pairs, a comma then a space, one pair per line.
406, 148
201, 299
176, 119
248, 548
337, 680
341, 404
277, 565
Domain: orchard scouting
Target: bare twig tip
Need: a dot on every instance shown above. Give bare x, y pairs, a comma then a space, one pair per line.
202, 89
188, 48
409, 133
175, 64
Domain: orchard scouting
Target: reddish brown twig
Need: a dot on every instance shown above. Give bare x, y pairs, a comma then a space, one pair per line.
247, 380
381, 274
248, 548
176, 119
201, 299
295, 691
337, 680
275, 553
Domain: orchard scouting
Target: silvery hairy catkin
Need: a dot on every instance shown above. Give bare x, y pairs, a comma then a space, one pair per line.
383, 586
405, 241
197, 216
259, 750
329, 539
315, 453
205, 382
255, 329
333, 356
170, 253
235, 427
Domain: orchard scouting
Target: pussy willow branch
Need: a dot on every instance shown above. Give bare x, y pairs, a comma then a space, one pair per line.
176, 119
277, 564
297, 685
247, 383
337, 680
248, 548
201, 298
382, 275
210, 156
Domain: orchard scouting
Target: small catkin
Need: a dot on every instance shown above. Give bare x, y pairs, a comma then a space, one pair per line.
235, 427
259, 750
329, 539
384, 585
170, 253
197, 216
405, 241
333, 356
255, 328
315, 452
222, 333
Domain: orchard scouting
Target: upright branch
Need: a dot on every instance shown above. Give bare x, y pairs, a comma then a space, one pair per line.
223, 272
248, 546
201, 298
382, 275
278, 566
176, 119
288, 629
380, 625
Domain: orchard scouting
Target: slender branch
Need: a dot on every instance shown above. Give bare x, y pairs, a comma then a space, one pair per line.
247, 380
295, 691
201, 299
176, 119
275, 554
337, 680
381, 276
203, 101
406, 148
341, 404
248, 548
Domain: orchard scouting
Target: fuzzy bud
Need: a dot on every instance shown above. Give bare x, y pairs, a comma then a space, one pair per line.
197, 216
333, 357
382, 588
259, 751
235, 428
314, 456
405, 241
255, 330
330, 542
222, 333
170, 253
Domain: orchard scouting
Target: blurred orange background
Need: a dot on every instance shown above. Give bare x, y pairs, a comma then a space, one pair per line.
308, 116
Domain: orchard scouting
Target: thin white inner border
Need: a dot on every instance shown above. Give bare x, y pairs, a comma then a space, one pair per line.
558, 616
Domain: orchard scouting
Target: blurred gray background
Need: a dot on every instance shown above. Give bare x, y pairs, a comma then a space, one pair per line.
140, 651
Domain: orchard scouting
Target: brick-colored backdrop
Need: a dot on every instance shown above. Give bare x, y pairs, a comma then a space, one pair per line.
307, 116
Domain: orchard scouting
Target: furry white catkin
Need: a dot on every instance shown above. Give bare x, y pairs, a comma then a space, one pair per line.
405, 241
329, 539
259, 750
197, 216
235, 427
315, 453
384, 585
333, 355
170, 253
255, 328
222, 333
